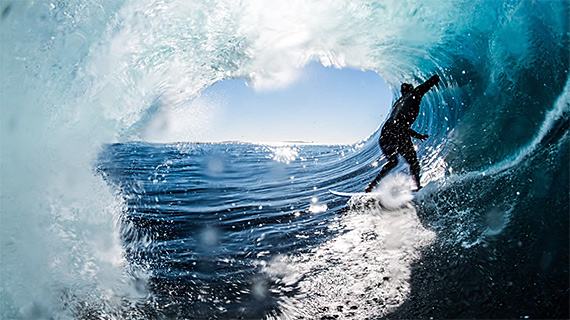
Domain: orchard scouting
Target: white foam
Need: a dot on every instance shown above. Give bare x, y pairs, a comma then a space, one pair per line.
364, 270
561, 107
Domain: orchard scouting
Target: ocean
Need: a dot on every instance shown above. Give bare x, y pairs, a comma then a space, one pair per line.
98, 224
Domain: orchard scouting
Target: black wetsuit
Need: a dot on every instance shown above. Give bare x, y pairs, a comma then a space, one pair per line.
396, 134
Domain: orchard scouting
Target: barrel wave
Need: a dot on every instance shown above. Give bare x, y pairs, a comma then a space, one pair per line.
96, 223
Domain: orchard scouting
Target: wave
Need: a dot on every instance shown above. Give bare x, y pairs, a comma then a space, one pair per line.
77, 75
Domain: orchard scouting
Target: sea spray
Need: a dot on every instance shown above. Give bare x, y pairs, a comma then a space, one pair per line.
61, 250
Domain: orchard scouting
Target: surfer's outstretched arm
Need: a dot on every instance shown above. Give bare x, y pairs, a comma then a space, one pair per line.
416, 135
424, 87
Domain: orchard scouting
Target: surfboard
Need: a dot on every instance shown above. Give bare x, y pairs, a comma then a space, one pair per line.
359, 194
351, 194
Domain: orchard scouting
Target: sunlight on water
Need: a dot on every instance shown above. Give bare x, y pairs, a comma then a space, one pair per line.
284, 154
317, 207
363, 271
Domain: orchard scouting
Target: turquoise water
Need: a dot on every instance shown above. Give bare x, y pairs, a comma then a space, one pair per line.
98, 224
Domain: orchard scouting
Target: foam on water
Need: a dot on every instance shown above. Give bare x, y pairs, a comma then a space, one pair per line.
363, 271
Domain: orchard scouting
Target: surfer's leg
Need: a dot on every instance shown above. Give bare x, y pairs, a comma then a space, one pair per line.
389, 145
409, 153
392, 162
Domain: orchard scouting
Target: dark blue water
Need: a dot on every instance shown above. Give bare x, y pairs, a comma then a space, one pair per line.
201, 217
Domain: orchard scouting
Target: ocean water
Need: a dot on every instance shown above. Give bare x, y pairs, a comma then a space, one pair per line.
97, 224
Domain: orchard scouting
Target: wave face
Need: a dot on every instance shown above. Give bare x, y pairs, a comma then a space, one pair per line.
95, 226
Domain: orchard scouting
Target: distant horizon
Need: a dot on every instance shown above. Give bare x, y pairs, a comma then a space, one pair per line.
322, 106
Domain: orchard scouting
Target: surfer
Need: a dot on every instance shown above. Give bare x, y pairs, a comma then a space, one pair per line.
396, 134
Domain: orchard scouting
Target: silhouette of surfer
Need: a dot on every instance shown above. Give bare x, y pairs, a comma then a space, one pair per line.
396, 134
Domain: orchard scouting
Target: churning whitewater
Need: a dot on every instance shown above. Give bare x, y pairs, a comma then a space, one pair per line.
97, 223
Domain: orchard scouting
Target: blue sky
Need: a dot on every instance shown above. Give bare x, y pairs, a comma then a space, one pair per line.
324, 105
